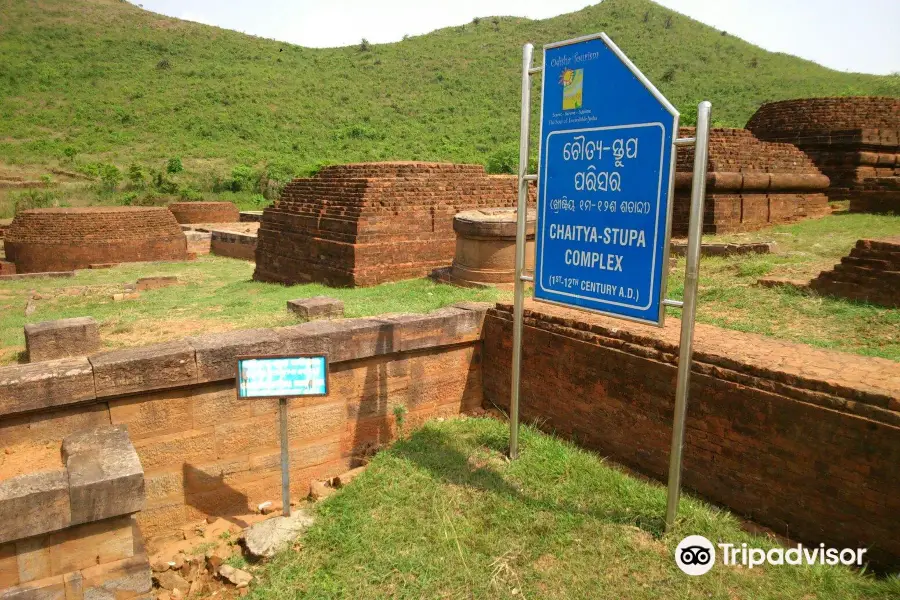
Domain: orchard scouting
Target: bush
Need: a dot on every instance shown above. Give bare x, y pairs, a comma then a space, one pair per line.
35, 199
243, 178
506, 160
364, 45
174, 166
189, 194
136, 176
110, 176
163, 184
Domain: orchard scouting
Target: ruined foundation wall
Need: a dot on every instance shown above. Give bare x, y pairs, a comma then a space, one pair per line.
854, 140
203, 451
871, 273
750, 184
364, 224
803, 440
205, 212
63, 239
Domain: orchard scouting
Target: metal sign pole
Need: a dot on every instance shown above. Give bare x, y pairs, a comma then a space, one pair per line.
521, 217
689, 309
285, 459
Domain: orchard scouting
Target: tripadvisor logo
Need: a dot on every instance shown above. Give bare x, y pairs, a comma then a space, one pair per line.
695, 555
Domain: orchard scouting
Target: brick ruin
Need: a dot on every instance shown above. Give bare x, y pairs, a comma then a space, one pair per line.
800, 439
364, 224
855, 141
205, 212
871, 273
62, 239
750, 184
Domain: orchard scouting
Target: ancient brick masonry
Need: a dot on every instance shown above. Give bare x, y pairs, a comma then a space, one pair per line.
62, 239
803, 440
855, 141
750, 184
205, 212
871, 273
363, 224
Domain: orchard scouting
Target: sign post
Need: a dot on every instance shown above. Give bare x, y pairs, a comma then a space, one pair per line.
282, 377
605, 193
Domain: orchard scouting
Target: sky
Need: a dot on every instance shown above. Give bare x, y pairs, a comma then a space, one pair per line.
847, 35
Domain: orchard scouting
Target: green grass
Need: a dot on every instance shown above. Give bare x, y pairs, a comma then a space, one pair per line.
729, 297
215, 294
86, 81
443, 515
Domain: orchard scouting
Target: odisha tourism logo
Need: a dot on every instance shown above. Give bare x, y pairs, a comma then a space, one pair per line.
695, 555
572, 81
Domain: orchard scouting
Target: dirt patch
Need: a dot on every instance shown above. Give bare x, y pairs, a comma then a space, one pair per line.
144, 332
29, 457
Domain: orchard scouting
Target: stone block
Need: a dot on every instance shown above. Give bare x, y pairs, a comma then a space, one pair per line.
33, 504
46, 384
50, 588
451, 325
33, 558
143, 369
62, 338
120, 580
155, 283
194, 446
346, 339
317, 307
157, 413
9, 567
105, 474
89, 544
216, 353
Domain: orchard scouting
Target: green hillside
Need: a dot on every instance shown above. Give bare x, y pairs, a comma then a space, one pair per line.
103, 81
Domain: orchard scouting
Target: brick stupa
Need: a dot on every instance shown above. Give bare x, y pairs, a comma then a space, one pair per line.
750, 184
855, 141
364, 224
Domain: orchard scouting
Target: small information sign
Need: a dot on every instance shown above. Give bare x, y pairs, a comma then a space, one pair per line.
282, 376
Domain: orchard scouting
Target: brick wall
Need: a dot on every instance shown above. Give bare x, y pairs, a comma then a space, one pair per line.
205, 212
364, 224
750, 184
855, 141
871, 273
62, 239
203, 451
799, 439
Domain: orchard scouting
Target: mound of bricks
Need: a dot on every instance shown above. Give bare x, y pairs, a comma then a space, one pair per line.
871, 273
364, 224
750, 184
317, 307
205, 212
62, 239
855, 141
50, 340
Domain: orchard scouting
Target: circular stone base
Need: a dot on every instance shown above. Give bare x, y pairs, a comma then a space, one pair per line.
486, 246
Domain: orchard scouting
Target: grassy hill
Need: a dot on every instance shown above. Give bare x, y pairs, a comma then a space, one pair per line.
85, 82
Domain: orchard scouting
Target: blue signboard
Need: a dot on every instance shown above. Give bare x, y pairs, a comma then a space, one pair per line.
605, 183
282, 376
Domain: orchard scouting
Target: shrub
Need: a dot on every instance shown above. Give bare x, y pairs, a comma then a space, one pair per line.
110, 176
364, 45
163, 184
668, 24
189, 194
136, 176
163, 65
243, 178
35, 199
174, 166
69, 152
506, 160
